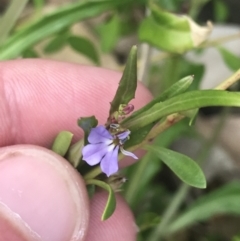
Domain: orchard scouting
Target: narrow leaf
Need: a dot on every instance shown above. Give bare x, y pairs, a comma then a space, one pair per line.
184, 167
221, 11
62, 142
183, 102
128, 83
111, 201
225, 200
53, 23
108, 41
230, 59
177, 88
85, 47
55, 44
30, 53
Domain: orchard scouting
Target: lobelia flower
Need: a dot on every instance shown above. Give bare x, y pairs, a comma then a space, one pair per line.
103, 148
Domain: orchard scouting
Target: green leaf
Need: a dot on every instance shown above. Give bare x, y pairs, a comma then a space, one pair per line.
85, 47
221, 11
177, 88
55, 44
147, 220
183, 102
128, 83
87, 123
53, 23
230, 59
138, 136
111, 202
10, 17
184, 167
197, 70
109, 33
30, 53
149, 165
62, 142
161, 29
74, 154
225, 200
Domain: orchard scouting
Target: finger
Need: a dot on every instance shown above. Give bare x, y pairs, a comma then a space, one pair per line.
39, 98
41, 196
120, 226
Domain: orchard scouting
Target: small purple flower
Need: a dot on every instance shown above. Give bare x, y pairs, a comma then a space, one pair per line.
104, 147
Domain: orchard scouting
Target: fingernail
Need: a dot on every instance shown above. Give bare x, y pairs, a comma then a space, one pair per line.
41, 196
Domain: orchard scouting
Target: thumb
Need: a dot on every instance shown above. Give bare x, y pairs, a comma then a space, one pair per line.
41, 196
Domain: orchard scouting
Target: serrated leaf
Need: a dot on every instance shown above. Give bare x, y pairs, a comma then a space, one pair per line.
162, 28
55, 44
128, 83
183, 102
62, 142
225, 200
85, 47
184, 167
53, 23
230, 59
111, 201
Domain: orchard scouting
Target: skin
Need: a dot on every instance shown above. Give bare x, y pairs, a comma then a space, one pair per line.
41, 196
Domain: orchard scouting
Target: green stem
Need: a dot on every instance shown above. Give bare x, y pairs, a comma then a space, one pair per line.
130, 191
93, 173
169, 213
10, 17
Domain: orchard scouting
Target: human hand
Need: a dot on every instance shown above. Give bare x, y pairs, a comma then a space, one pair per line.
41, 196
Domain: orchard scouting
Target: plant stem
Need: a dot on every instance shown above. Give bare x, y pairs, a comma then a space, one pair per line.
169, 213
145, 52
145, 60
10, 17
229, 81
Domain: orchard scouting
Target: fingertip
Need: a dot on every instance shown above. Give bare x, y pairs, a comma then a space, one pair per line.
42, 196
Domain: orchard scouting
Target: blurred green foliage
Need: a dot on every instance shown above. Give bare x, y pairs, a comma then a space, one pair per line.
170, 36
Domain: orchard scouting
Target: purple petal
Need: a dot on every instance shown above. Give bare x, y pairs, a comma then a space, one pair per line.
109, 163
123, 135
93, 153
99, 134
128, 153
